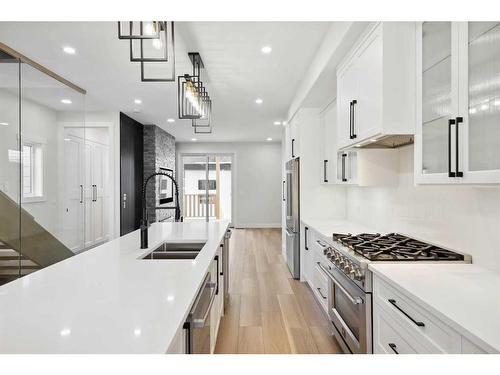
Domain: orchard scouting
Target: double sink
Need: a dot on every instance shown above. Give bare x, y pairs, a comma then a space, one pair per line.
176, 250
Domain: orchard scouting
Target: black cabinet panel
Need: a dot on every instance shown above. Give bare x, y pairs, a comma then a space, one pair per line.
131, 173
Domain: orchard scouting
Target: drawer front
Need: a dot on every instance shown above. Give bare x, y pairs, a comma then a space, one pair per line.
321, 287
428, 329
387, 337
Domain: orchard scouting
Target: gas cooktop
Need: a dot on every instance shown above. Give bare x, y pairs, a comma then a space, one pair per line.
394, 247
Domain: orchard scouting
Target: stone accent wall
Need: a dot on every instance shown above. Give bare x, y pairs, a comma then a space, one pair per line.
159, 152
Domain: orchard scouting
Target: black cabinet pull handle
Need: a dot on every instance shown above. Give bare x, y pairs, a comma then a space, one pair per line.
324, 171
393, 302
305, 238
354, 102
457, 172
222, 249
350, 120
284, 190
216, 258
450, 123
293, 153
321, 294
344, 179
393, 347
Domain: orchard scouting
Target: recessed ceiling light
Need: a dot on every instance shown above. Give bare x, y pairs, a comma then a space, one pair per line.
170, 120
138, 101
496, 102
484, 107
193, 139
472, 110
69, 50
66, 101
65, 332
137, 332
266, 50
269, 139
4, 123
259, 101
277, 123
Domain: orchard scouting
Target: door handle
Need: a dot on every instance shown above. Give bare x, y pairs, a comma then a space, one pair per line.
284, 182
458, 120
293, 142
344, 179
393, 347
324, 171
451, 122
216, 258
354, 102
305, 238
393, 303
350, 120
81, 193
321, 294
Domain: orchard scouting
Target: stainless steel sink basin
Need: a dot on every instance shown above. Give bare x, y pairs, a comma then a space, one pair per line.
176, 250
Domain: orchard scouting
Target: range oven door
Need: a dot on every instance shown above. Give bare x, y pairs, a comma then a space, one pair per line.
349, 308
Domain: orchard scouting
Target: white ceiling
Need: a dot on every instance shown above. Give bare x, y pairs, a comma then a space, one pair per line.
236, 70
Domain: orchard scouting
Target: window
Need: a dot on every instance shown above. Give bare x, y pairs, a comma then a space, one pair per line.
202, 185
32, 171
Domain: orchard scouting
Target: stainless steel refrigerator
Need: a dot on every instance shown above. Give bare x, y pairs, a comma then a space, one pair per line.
292, 201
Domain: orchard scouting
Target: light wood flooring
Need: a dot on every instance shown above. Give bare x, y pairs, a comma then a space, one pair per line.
268, 311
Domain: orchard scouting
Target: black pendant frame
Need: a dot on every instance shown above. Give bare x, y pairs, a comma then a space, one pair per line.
163, 25
131, 35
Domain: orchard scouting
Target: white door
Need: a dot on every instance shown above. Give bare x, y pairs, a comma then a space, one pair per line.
480, 100
437, 103
346, 93
88, 195
367, 109
100, 173
72, 223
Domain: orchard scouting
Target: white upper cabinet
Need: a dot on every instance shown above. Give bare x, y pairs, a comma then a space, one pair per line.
376, 86
292, 138
328, 134
458, 103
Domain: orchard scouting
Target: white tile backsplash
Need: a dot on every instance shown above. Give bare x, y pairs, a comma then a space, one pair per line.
464, 218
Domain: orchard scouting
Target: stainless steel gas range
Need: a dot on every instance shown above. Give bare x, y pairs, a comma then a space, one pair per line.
350, 282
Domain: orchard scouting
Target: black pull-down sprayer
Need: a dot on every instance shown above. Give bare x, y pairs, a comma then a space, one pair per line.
144, 220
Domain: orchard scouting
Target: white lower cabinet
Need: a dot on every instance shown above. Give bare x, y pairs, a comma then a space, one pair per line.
401, 326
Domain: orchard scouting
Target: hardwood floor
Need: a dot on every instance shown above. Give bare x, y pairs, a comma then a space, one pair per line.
268, 311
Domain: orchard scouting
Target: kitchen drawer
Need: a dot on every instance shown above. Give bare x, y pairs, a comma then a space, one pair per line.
420, 324
321, 287
387, 337
318, 246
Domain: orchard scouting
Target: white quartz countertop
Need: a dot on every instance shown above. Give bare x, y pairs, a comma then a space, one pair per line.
464, 296
327, 227
108, 300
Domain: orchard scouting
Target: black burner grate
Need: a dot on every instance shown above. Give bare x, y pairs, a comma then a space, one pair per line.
394, 247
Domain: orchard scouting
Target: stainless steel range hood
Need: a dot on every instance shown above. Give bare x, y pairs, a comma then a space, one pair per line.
388, 141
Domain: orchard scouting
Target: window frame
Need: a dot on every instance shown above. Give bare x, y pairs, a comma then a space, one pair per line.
37, 170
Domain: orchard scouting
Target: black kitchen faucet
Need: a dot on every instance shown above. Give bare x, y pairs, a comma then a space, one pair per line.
144, 220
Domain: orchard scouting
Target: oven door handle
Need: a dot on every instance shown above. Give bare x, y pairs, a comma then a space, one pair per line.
354, 300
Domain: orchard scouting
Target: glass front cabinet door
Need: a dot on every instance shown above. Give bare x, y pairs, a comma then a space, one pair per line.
458, 113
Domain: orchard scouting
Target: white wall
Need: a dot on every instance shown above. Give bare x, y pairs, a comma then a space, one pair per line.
257, 182
464, 218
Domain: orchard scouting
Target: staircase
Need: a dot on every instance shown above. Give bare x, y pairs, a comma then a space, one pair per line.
38, 248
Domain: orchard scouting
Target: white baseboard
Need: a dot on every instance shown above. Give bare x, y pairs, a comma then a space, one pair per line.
256, 226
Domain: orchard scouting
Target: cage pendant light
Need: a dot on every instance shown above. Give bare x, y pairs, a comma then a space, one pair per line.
139, 29
192, 95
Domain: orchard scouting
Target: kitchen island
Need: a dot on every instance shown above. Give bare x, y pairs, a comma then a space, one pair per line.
108, 299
